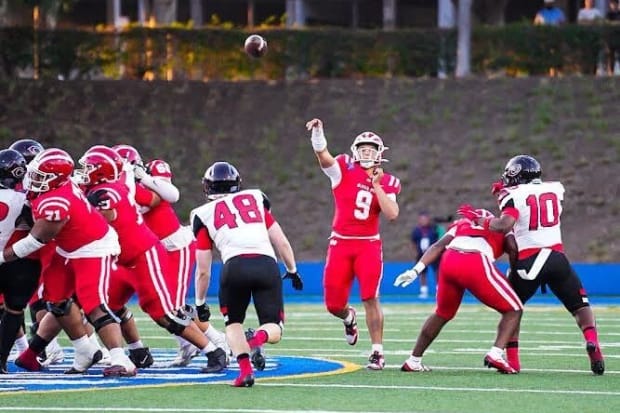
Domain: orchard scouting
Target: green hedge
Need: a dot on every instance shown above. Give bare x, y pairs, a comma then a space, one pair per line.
218, 54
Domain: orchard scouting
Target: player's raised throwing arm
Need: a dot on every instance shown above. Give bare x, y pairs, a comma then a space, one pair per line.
319, 143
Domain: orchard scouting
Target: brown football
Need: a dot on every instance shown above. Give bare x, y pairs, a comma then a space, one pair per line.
255, 46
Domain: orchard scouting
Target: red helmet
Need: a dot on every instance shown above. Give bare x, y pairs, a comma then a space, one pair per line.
159, 168
368, 159
128, 153
100, 164
49, 169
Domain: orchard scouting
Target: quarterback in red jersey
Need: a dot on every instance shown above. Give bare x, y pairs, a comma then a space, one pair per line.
362, 191
469, 251
141, 251
85, 247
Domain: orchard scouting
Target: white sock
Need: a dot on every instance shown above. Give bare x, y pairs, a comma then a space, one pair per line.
378, 348
496, 352
82, 344
414, 360
117, 356
135, 345
213, 334
209, 348
424, 289
349, 318
181, 341
93, 339
21, 344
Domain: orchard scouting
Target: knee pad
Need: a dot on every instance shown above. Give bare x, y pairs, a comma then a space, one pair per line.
102, 321
177, 322
124, 314
59, 309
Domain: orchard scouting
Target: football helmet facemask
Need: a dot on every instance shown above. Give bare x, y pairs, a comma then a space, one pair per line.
220, 179
99, 164
29, 148
12, 168
521, 169
48, 170
368, 157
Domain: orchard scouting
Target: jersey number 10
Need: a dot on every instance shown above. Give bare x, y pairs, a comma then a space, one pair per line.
544, 210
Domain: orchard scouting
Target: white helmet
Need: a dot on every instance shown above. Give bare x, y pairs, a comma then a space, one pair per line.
375, 158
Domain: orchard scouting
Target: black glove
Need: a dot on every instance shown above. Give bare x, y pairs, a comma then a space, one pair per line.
204, 313
99, 198
295, 278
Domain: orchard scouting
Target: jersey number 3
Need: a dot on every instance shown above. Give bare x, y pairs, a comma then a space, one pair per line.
247, 210
544, 210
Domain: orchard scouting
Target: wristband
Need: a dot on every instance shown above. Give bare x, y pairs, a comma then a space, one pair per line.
199, 301
419, 267
319, 143
27, 246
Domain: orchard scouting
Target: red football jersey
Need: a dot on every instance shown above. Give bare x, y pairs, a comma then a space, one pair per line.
84, 225
133, 234
466, 228
357, 209
161, 219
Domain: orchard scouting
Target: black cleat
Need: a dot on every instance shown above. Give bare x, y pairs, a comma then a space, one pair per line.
257, 356
217, 360
141, 357
244, 381
597, 363
3, 368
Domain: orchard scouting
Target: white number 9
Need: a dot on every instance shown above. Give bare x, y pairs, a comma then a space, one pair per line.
362, 205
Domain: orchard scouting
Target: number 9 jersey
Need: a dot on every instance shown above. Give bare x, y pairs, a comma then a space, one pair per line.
537, 207
357, 209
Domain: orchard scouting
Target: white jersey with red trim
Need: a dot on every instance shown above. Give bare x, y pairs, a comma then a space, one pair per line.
540, 206
236, 224
11, 205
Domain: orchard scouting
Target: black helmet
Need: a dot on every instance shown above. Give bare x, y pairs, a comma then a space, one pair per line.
521, 169
29, 148
12, 168
221, 178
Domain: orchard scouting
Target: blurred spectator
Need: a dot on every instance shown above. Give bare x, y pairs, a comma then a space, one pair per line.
589, 13
550, 15
613, 13
423, 235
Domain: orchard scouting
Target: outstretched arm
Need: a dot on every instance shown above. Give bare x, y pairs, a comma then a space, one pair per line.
319, 143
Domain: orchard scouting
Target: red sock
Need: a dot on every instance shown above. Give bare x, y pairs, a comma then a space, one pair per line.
512, 354
260, 338
244, 364
590, 334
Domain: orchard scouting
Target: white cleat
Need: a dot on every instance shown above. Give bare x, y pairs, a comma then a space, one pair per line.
408, 366
187, 351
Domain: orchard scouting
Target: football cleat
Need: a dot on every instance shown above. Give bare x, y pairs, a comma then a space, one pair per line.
141, 357
350, 330
118, 371
257, 355
411, 367
187, 351
498, 363
28, 361
82, 362
217, 360
376, 361
3, 369
244, 381
597, 363
53, 356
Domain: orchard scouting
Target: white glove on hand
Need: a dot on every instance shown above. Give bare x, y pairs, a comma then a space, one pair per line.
406, 278
139, 172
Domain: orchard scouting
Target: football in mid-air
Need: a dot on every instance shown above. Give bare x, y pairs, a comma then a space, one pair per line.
255, 46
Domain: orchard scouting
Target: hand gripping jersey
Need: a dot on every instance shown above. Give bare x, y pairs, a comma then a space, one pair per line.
537, 207
133, 234
357, 209
237, 224
11, 204
474, 238
86, 233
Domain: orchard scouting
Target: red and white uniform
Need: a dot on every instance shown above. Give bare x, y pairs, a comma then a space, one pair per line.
177, 239
355, 248
235, 224
85, 247
141, 253
468, 264
537, 207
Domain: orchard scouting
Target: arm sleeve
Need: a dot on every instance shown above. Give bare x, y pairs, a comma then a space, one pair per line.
203, 241
143, 196
334, 172
269, 219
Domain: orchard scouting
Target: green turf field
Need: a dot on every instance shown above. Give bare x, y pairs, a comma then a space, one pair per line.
555, 375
